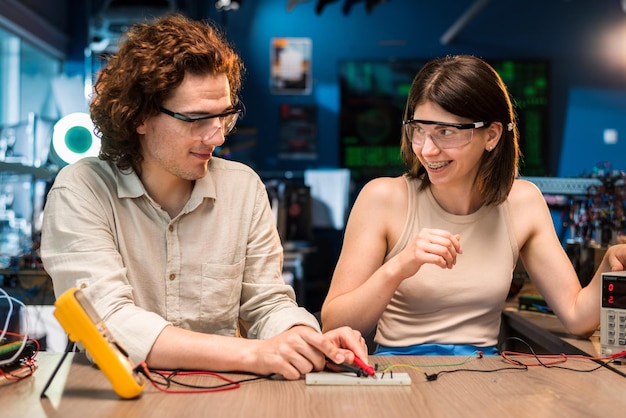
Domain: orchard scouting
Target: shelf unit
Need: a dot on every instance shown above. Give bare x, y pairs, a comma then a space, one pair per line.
567, 186
38, 173
12, 175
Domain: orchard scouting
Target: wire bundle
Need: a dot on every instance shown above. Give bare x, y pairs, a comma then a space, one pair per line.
17, 357
165, 381
519, 361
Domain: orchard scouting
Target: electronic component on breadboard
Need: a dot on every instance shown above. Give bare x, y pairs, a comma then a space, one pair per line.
349, 379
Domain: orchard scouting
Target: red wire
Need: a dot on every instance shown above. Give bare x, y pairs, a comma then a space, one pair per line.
232, 383
12, 334
17, 375
28, 364
559, 358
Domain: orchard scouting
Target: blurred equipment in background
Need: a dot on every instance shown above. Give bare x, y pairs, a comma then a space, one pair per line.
24, 176
347, 5
116, 16
226, 5
591, 214
330, 190
291, 204
108, 24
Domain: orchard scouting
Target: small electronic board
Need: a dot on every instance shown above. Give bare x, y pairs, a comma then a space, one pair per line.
349, 379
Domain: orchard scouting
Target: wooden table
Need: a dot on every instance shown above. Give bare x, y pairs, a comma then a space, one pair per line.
80, 390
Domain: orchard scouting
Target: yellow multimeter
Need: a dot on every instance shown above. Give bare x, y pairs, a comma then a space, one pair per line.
82, 323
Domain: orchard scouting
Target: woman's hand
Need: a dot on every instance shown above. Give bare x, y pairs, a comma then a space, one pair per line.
616, 257
430, 246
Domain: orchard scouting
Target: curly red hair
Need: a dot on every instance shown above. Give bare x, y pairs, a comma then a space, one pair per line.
152, 60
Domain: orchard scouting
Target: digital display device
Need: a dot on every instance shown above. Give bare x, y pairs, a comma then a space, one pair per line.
82, 324
613, 313
613, 291
373, 95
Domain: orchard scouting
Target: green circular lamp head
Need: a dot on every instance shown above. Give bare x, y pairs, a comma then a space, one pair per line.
73, 138
78, 139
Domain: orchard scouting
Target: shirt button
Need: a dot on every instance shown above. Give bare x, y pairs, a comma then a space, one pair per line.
172, 276
171, 228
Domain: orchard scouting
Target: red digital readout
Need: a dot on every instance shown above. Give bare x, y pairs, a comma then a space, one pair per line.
614, 292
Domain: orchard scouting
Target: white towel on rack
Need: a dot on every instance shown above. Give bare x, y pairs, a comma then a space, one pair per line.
330, 193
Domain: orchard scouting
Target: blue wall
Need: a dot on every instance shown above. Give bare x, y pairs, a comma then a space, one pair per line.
584, 40
571, 34
589, 113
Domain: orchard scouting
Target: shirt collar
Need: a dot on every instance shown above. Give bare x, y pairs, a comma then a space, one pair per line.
130, 186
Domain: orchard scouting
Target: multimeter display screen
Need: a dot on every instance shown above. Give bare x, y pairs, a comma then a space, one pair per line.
614, 292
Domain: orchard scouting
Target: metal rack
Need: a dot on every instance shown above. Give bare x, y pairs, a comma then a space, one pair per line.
38, 173
567, 186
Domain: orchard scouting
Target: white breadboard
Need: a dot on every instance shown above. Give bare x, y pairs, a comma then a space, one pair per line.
348, 379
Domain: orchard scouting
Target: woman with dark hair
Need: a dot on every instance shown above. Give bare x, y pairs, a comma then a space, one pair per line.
428, 257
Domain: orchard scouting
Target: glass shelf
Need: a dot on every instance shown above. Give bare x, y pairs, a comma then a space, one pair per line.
40, 173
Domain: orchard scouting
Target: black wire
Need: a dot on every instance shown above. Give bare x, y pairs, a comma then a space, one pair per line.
434, 376
149, 376
611, 368
224, 385
169, 380
556, 366
524, 367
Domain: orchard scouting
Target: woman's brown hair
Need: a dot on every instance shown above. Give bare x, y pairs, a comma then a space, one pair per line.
468, 87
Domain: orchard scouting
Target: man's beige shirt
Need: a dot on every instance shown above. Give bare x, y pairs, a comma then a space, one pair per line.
214, 267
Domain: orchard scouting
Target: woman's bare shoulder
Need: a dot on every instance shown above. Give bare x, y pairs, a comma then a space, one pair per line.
524, 191
529, 210
385, 188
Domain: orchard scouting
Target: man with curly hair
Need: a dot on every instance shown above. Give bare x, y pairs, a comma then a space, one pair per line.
178, 249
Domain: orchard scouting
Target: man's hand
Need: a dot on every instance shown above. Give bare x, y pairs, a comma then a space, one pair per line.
302, 349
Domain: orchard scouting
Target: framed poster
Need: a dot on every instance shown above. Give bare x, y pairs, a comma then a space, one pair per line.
298, 132
290, 61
